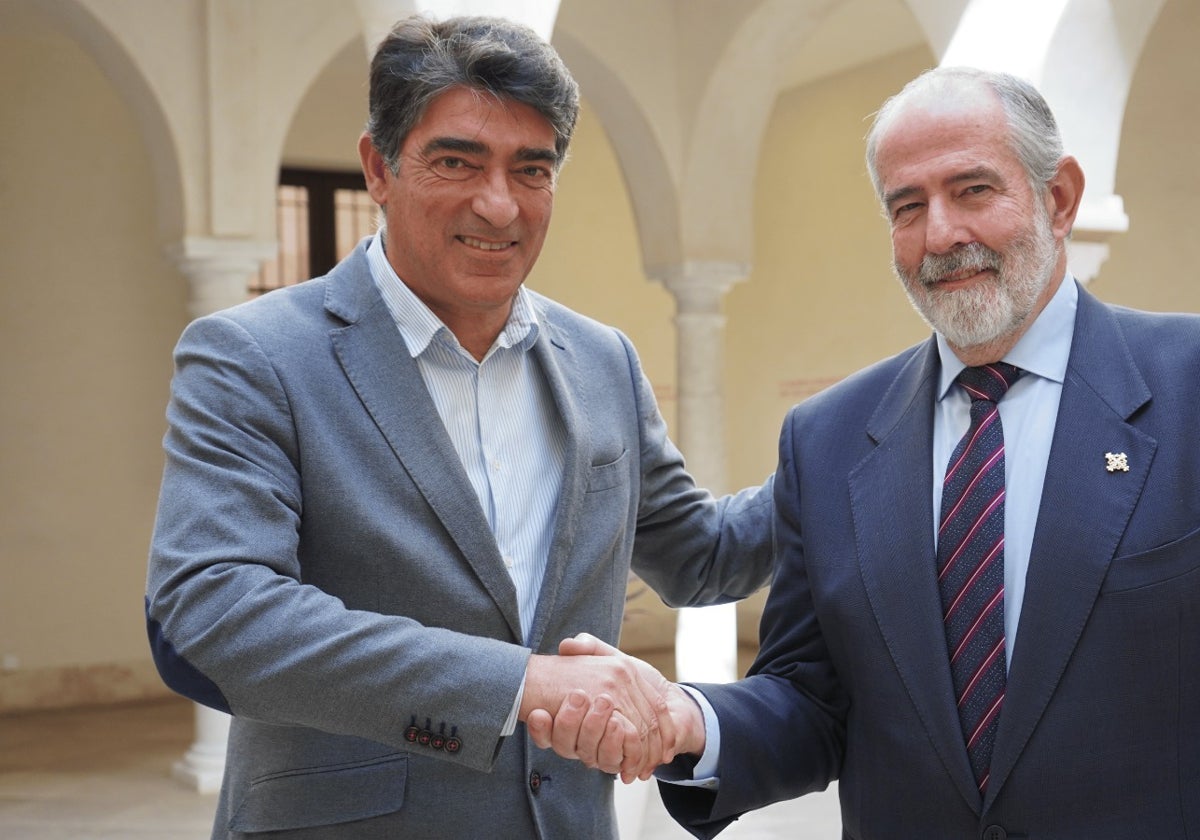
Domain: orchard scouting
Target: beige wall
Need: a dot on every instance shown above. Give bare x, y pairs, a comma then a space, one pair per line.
821, 301
591, 261
88, 314
1153, 265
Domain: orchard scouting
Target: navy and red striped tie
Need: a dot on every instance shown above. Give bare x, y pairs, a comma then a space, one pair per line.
970, 563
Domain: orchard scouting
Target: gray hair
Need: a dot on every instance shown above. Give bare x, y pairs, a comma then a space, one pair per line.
421, 59
1033, 132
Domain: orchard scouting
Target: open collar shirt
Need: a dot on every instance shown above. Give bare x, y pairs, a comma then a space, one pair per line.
501, 418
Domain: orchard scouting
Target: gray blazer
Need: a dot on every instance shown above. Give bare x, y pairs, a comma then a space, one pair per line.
321, 568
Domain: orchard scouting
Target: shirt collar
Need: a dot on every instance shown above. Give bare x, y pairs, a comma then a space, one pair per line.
419, 326
1044, 348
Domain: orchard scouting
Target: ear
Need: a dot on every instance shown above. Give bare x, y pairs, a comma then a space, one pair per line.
1063, 195
375, 170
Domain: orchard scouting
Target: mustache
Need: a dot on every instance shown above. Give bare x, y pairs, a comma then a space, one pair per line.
970, 258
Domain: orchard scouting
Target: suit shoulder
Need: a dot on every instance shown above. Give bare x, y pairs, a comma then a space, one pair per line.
287, 308
861, 390
1163, 341
557, 317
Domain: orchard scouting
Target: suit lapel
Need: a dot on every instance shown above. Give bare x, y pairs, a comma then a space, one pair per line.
892, 508
386, 378
558, 364
1081, 520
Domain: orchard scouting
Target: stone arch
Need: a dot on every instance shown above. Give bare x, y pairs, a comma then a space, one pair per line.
86, 24
647, 171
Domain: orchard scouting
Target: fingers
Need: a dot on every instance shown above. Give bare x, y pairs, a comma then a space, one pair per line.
540, 726
620, 747
569, 725
610, 710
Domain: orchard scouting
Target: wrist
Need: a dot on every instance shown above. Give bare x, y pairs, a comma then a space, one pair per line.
693, 737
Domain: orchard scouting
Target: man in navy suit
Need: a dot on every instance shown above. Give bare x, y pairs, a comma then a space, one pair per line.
1088, 681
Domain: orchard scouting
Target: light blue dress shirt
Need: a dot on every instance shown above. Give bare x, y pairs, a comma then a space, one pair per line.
501, 417
1028, 413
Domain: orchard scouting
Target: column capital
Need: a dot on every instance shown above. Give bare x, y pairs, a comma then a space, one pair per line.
1099, 220
699, 285
1102, 215
217, 269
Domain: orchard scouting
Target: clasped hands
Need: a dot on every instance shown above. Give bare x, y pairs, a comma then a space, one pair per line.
608, 709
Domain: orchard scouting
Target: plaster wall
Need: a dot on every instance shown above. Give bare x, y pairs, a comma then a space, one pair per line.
88, 316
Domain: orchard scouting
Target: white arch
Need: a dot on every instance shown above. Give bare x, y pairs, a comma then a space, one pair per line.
643, 162
104, 40
731, 117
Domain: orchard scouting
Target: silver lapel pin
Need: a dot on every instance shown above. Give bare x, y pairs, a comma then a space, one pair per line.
1116, 462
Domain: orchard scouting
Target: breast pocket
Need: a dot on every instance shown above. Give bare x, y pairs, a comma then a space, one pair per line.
1161, 565
317, 796
606, 476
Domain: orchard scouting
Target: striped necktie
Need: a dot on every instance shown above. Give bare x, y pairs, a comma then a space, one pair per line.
970, 563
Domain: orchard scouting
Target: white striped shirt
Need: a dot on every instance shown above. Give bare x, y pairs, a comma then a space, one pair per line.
501, 417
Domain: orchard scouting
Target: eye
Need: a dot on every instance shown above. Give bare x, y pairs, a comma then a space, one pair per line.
977, 189
905, 209
455, 168
535, 174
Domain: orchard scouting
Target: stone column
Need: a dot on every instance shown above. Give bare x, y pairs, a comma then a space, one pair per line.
705, 637
217, 271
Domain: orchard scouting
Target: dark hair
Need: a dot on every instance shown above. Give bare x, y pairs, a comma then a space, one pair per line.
1033, 132
420, 59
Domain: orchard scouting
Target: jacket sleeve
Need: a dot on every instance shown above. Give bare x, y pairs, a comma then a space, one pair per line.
691, 548
231, 622
783, 726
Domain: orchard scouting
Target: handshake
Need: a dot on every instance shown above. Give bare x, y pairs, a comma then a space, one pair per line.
609, 710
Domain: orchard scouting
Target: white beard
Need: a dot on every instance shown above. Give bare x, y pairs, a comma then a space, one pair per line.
996, 306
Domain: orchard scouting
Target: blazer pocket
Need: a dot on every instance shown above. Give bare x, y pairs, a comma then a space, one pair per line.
607, 476
318, 796
1158, 565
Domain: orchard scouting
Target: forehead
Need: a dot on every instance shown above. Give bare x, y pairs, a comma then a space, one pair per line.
933, 138
469, 114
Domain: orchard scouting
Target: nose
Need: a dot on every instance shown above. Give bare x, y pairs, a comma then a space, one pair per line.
495, 202
944, 228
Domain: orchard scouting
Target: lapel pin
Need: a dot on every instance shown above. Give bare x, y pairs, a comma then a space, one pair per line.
1116, 462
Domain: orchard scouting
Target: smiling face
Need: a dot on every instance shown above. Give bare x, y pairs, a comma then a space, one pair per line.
978, 250
468, 208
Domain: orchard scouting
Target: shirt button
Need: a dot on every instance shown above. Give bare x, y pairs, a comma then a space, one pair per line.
508, 563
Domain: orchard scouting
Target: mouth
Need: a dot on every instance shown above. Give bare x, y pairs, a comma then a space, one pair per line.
962, 276
486, 245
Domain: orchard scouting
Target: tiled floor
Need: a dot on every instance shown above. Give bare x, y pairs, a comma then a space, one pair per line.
104, 774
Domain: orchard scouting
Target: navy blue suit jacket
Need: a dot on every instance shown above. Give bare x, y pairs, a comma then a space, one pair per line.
1100, 732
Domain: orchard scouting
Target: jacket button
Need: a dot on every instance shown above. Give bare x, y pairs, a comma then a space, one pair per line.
535, 781
994, 832
453, 744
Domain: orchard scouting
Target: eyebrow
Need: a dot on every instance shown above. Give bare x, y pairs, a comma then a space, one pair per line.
977, 173
474, 147
896, 195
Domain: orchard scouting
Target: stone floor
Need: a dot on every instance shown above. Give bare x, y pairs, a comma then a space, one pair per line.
104, 774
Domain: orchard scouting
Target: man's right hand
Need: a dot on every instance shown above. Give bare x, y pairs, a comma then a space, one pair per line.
632, 719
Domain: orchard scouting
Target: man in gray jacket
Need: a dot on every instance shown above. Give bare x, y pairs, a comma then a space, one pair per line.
391, 491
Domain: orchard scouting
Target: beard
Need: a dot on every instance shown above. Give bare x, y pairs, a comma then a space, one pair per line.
994, 306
